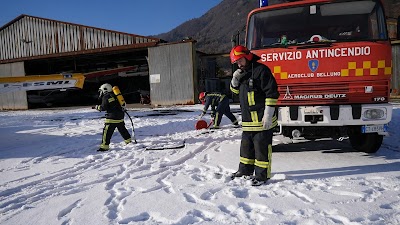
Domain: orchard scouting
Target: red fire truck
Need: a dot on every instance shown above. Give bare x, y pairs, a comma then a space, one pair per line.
332, 61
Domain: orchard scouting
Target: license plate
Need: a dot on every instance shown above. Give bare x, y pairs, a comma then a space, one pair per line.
374, 128
312, 111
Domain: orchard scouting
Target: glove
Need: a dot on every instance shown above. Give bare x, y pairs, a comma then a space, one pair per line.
93, 107
267, 118
213, 115
236, 77
201, 115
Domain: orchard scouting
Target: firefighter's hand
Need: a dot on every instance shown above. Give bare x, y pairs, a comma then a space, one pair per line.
239, 73
267, 118
236, 76
93, 107
201, 115
213, 115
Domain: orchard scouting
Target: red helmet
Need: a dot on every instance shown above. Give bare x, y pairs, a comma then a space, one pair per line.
240, 51
202, 97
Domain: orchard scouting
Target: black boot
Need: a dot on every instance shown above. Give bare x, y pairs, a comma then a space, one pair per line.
240, 174
257, 182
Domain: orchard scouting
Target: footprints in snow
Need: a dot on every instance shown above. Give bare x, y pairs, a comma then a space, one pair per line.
244, 202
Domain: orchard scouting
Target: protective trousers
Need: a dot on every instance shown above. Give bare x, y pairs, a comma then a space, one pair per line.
223, 108
108, 131
256, 154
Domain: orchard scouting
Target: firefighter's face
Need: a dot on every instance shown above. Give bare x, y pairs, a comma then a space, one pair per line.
242, 63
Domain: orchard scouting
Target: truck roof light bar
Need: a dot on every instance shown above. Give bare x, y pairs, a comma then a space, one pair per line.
263, 3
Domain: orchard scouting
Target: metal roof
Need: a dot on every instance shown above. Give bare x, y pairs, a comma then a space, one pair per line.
29, 37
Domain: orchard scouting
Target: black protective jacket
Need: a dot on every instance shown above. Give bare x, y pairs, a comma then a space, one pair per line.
213, 100
114, 111
257, 89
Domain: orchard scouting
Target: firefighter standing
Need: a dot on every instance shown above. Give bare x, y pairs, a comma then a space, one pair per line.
114, 117
219, 106
258, 95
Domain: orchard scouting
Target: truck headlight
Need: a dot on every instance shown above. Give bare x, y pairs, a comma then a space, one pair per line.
374, 114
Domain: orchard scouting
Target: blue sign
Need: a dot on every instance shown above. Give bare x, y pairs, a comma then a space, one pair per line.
313, 65
263, 3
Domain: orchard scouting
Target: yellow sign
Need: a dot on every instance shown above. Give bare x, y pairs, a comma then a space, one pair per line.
42, 82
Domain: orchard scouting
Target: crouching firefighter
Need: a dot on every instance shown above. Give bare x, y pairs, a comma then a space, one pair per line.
114, 116
258, 95
219, 106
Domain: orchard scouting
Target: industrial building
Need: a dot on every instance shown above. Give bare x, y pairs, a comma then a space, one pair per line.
140, 66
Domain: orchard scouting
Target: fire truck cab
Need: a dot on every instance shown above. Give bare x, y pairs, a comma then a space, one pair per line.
332, 61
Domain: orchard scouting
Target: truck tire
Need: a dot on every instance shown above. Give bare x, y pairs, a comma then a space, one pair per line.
368, 143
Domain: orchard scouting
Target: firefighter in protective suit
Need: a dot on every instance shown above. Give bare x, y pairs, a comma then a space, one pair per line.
258, 95
114, 117
219, 106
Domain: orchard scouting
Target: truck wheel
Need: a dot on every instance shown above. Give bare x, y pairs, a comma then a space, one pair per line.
369, 143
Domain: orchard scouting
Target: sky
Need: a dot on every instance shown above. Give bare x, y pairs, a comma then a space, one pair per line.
51, 174
130, 16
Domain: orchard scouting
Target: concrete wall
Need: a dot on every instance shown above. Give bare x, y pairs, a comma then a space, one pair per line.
172, 74
13, 100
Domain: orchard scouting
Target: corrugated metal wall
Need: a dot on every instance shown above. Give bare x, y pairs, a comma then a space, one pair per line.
395, 83
172, 74
32, 36
13, 100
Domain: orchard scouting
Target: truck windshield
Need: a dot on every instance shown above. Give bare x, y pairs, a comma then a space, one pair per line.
316, 23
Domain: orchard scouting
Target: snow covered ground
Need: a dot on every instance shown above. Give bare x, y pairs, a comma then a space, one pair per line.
51, 173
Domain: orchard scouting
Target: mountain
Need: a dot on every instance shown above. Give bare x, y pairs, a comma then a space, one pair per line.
214, 30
